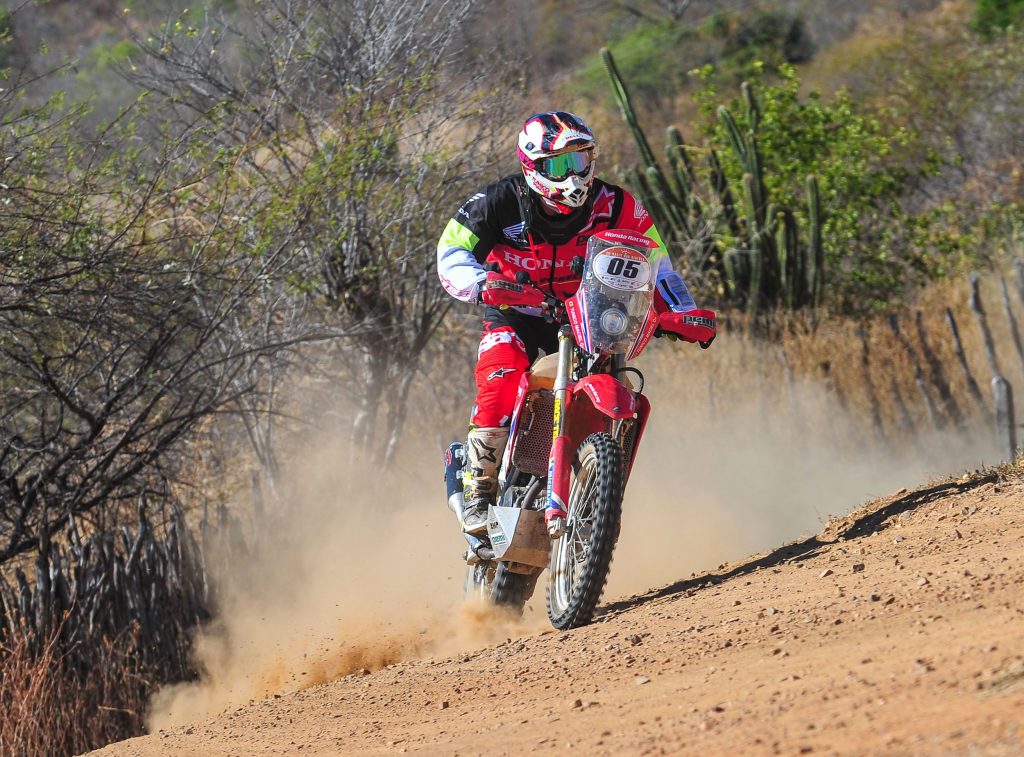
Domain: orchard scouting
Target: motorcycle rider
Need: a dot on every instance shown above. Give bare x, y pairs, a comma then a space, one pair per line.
535, 221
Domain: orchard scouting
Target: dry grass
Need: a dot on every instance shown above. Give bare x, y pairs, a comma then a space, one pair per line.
90, 633
50, 708
867, 369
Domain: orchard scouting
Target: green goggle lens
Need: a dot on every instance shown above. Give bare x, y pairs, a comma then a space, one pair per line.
564, 165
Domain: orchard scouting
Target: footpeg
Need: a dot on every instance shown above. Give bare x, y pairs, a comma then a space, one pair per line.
478, 550
557, 528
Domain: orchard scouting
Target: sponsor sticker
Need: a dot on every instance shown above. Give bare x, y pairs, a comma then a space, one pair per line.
699, 320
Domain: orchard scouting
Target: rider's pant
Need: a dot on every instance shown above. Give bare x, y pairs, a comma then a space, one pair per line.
509, 344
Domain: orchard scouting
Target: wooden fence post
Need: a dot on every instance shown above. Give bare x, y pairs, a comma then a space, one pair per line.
1018, 270
938, 374
1014, 331
972, 386
1006, 428
865, 364
974, 303
933, 412
825, 366
906, 421
258, 520
795, 404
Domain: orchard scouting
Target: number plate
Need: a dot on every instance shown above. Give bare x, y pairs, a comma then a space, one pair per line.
622, 268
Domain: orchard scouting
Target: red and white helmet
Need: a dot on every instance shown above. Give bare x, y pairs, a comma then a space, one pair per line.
558, 153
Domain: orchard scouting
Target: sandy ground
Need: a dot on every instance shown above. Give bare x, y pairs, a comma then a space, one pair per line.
897, 630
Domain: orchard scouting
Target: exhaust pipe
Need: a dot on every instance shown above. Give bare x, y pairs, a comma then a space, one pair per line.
454, 462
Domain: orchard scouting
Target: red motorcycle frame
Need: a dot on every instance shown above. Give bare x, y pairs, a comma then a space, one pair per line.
577, 425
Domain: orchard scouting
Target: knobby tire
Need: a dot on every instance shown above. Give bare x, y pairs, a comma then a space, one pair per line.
505, 589
599, 456
511, 589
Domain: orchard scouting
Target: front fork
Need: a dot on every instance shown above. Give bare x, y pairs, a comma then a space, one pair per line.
556, 511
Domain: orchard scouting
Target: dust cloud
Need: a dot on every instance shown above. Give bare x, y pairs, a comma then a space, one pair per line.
358, 572
362, 567
732, 465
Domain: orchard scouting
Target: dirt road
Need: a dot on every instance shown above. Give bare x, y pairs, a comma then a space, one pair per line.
897, 630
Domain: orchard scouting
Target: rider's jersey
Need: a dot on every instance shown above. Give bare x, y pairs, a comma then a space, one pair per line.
502, 225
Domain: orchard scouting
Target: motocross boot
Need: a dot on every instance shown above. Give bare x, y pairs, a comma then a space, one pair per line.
484, 448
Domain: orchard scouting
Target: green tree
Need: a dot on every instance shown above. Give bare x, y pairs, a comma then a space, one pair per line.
860, 182
6, 38
993, 16
773, 161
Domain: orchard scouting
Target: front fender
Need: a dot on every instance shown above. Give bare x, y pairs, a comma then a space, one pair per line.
608, 395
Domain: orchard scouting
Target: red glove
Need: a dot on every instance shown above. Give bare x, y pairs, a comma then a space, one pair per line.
695, 326
500, 289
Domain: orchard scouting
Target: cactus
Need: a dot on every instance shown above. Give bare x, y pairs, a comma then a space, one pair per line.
625, 105
685, 178
816, 253
725, 197
771, 264
671, 206
790, 261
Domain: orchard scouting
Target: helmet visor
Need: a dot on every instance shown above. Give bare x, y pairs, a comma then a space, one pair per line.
567, 164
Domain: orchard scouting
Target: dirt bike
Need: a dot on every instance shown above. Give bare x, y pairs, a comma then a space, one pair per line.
579, 416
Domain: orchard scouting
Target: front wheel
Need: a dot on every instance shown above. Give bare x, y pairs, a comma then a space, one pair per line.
581, 558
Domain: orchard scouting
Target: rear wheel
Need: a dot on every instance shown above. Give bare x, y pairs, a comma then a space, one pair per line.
493, 582
581, 558
512, 589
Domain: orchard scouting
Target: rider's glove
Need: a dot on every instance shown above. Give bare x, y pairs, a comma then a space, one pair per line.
694, 326
500, 289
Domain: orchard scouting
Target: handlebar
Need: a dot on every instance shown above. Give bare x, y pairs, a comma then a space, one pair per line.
553, 310
553, 307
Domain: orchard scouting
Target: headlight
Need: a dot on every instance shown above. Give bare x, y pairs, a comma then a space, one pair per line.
613, 322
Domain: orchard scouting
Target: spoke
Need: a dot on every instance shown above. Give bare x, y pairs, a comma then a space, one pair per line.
570, 581
573, 549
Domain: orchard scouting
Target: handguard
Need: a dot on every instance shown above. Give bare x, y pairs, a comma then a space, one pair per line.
502, 290
694, 326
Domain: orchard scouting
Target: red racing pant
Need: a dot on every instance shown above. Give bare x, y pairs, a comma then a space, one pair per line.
508, 346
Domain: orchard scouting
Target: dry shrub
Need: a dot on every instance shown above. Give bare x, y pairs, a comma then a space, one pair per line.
873, 373
89, 634
52, 708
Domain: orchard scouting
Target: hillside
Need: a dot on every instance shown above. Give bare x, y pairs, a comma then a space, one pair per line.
895, 630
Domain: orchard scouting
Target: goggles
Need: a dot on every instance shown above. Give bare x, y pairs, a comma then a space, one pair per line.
567, 164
